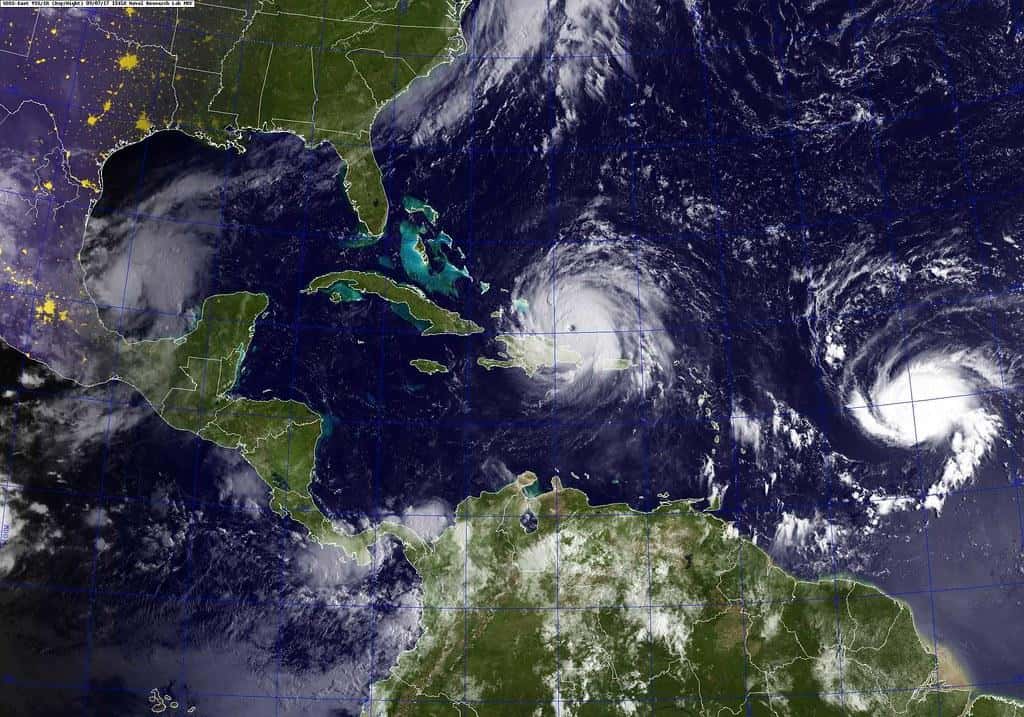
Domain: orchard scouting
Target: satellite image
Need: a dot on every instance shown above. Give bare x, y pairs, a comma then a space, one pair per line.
512, 357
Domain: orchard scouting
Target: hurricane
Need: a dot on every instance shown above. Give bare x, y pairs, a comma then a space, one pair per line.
928, 399
918, 365
598, 314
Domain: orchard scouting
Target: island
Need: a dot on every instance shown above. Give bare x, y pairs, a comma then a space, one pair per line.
428, 366
531, 353
412, 205
436, 320
619, 364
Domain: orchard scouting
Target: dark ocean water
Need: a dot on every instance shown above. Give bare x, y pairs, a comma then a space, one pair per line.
800, 223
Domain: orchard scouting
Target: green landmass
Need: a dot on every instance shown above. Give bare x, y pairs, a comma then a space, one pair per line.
531, 353
436, 319
619, 364
321, 70
428, 366
668, 612
989, 706
324, 71
413, 205
189, 380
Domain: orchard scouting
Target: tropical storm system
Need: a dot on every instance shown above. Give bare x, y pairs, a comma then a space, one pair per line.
512, 357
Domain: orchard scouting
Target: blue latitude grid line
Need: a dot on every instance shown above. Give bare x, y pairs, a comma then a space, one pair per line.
18, 290
880, 596
409, 331
157, 598
723, 697
950, 201
806, 504
723, 416
1012, 90
862, 26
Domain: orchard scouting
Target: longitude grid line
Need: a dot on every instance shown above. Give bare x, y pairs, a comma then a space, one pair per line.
90, 630
823, 409
185, 625
727, 338
303, 236
552, 231
977, 232
887, 203
468, 354
376, 552
642, 418
228, 162
24, 362
112, 386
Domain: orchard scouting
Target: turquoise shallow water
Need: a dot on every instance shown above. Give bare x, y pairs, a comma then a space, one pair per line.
424, 258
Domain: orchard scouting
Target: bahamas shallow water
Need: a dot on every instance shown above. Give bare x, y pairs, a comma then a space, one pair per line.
799, 228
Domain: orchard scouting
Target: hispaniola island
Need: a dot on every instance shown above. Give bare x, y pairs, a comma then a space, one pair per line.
555, 358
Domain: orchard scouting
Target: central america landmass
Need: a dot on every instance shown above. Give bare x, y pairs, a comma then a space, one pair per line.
541, 601
532, 600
